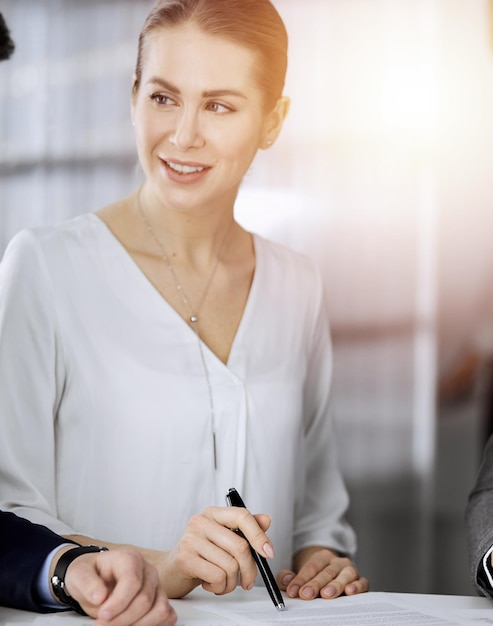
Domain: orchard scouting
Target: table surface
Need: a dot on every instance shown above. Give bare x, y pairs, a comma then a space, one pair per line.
189, 612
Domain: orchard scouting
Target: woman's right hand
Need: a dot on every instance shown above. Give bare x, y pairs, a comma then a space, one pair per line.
212, 555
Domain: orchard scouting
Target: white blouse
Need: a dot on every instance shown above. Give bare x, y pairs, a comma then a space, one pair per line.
105, 422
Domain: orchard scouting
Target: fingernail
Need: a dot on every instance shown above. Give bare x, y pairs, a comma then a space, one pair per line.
269, 551
350, 588
293, 591
287, 579
329, 592
250, 586
308, 593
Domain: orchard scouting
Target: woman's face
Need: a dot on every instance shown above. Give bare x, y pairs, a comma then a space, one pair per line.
199, 117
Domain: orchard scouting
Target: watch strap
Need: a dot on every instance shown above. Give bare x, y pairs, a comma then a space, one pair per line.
58, 578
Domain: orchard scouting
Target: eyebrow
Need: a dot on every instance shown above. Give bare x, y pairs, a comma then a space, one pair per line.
213, 93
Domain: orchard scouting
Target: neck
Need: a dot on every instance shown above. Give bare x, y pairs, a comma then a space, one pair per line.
192, 239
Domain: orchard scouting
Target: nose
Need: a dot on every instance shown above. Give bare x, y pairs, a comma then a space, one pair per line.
186, 133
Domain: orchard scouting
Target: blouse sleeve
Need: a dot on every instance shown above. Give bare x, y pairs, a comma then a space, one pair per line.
31, 384
324, 500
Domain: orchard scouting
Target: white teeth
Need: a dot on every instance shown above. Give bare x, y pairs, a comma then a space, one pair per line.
184, 169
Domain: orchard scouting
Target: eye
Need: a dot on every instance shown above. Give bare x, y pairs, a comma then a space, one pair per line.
217, 107
162, 99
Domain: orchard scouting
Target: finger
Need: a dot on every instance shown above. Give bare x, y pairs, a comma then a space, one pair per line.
324, 573
146, 602
211, 543
128, 576
84, 583
220, 569
322, 560
162, 615
347, 577
241, 519
161, 612
358, 586
263, 520
206, 556
284, 577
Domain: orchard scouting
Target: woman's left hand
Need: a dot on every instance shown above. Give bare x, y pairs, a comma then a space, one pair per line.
321, 572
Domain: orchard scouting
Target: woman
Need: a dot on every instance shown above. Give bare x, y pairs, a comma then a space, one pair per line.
168, 354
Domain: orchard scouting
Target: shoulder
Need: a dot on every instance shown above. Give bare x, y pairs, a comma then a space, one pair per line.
85, 225
294, 282
37, 260
32, 245
279, 252
287, 264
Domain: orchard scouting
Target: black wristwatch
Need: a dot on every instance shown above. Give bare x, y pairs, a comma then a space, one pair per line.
58, 578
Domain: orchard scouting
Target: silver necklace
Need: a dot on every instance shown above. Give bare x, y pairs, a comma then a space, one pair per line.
193, 316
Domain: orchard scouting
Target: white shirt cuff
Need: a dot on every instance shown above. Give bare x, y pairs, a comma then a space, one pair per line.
486, 567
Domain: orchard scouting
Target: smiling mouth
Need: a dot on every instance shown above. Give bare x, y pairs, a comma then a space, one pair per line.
184, 169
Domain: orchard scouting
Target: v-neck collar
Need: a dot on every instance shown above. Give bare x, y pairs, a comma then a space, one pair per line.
138, 287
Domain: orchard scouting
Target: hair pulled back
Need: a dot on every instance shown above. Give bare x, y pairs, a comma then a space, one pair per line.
255, 24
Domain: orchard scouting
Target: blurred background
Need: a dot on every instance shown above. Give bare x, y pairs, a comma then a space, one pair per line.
382, 174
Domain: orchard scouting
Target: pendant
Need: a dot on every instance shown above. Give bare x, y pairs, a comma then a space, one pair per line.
214, 448
194, 319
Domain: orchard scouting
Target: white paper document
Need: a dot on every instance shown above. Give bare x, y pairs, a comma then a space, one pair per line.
479, 617
372, 609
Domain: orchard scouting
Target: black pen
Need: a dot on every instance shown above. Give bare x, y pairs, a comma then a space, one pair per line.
233, 498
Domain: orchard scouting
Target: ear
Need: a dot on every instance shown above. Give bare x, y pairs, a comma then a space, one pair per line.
274, 121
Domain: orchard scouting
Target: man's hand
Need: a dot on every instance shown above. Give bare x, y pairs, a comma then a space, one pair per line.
119, 588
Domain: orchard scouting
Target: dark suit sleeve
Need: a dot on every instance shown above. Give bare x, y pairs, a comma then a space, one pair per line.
23, 549
479, 519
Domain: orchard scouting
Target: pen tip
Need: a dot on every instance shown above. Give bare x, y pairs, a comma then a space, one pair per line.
281, 606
